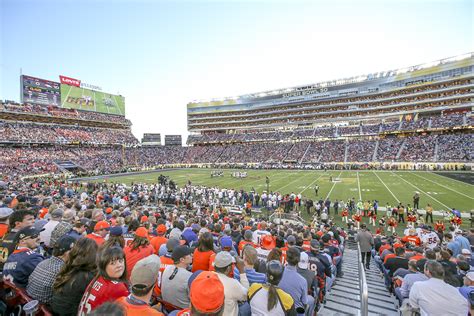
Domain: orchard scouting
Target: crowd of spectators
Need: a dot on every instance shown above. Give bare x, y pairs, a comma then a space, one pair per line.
455, 147
63, 134
418, 148
85, 248
54, 111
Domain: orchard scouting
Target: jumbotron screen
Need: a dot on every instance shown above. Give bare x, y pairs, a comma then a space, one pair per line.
73, 97
40, 91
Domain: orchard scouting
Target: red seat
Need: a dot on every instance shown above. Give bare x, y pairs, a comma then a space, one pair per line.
15, 297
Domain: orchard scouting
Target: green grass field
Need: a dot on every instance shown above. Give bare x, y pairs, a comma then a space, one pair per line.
441, 192
76, 98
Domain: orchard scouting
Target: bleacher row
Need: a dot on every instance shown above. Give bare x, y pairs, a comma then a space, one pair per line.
367, 129
453, 93
432, 148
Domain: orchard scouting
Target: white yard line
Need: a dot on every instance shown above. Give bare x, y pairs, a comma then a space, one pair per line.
306, 188
333, 186
447, 207
444, 186
116, 103
358, 185
95, 104
451, 178
65, 99
386, 187
280, 188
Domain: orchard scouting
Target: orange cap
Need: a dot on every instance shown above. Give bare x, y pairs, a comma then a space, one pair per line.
268, 242
143, 219
101, 225
161, 229
108, 210
207, 292
141, 232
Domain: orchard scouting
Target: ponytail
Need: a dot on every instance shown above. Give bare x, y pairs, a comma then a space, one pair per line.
272, 297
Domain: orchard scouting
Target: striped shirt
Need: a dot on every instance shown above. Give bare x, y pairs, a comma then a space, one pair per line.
252, 275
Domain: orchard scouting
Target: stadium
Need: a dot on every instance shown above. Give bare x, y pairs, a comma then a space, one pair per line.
348, 196
375, 140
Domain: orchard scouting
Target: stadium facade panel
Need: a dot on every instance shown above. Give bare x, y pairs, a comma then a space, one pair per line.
435, 87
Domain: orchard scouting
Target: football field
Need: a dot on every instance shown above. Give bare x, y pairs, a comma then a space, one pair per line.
441, 191
91, 100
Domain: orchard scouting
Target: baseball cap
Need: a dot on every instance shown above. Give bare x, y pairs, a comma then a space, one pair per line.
141, 232
116, 231
143, 219
268, 242
5, 212
470, 275
207, 293
171, 244
161, 229
65, 243
226, 242
223, 259
145, 272
466, 251
304, 261
108, 210
195, 227
180, 252
27, 232
248, 234
291, 239
315, 244
57, 213
101, 225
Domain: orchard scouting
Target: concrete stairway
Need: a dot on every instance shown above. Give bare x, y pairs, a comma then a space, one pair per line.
344, 298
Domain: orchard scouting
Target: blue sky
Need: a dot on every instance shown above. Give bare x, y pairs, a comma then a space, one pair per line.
162, 54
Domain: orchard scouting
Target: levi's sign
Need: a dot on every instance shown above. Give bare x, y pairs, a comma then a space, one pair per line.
78, 83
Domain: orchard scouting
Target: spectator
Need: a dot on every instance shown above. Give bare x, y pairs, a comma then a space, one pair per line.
23, 261
115, 239
234, 291
174, 281
250, 258
45, 235
269, 299
109, 284
294, 284
142, 279
101, 229
139, 248
72, 280
366, 241
18, 220
435, 297
203, 252
409, 279
40, 282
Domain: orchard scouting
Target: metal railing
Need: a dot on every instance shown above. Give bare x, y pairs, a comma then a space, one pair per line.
363, 288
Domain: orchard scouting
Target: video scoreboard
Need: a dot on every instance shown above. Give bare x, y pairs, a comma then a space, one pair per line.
40, 91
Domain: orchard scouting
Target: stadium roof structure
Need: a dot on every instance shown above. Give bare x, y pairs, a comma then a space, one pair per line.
337, 82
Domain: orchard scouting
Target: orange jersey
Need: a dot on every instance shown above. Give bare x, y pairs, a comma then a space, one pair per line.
414, 240
242, 244
157, 241
3, 230
98, 239
136, 310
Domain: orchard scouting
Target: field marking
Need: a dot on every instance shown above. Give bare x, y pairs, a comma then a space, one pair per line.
69, 91
333, 186
118, 107
386, 187
306, 188
447, 207
450, 178
358, 185
279, 189
444, 186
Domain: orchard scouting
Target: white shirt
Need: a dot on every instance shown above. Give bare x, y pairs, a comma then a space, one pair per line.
45, 235
257, 236
430, 240
435, 297
233, 293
